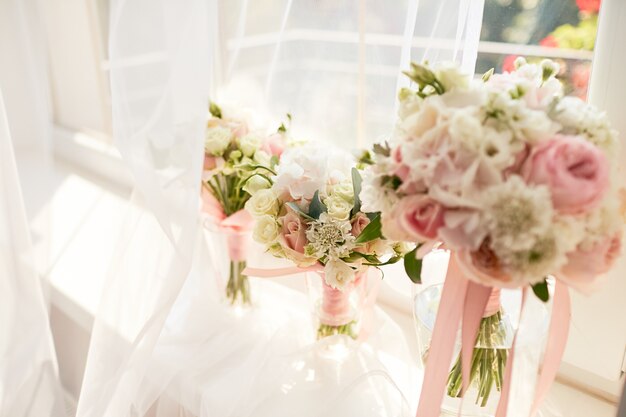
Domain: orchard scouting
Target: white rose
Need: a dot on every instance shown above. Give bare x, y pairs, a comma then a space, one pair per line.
343, 190
249, 144
256, 183
338, 208
338, 274
216, 140
263, 202
265, 230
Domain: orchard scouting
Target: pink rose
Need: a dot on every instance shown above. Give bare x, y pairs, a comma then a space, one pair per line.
483, 266
575, 171
358, 223
275, 144
294, 232
584, 266
421, 216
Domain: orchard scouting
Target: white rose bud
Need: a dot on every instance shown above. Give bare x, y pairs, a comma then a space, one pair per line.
338, 274
263, 202
262, 158
265, 230
256, 183
217, 140
338, 208
249, 144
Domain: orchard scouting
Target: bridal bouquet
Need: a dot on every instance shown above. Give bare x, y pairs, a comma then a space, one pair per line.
517, 181
310, 213
237, 162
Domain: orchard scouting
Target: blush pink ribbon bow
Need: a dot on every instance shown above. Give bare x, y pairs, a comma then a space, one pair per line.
467, 300
236, 226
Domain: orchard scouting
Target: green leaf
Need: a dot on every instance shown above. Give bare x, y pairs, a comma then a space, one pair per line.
383, 149
390, 261
356, 186
541, 291
372, 231
413, 266
317, 207
298, 210
355, 256
215, 110
488, 75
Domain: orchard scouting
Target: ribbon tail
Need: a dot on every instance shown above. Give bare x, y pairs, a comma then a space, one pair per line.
442, 343
475, 303
508, 371
557, 340
280, 272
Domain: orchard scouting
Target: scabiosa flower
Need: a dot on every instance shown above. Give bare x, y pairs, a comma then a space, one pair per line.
329, 237
517, 214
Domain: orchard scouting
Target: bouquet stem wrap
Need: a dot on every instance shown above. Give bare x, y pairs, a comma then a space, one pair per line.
468, 300
236, 228
335, 307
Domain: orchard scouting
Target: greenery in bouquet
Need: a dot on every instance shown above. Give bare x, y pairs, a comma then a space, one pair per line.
515, 179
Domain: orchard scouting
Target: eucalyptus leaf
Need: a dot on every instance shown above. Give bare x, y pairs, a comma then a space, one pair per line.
298, 210
372, 231
541, 290
413, 266
356, 186
317, 207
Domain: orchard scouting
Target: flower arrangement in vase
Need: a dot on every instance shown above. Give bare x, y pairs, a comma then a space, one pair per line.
237, 162
518, 183
310, 213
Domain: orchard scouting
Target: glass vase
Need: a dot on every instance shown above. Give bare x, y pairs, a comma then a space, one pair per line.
494, 340
334, 311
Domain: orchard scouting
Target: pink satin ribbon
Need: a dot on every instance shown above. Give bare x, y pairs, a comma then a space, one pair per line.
237, 226
461, 298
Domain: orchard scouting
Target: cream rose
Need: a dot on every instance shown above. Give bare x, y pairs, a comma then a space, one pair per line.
263, 202
344, 190
249, 144
338, 208
217, 140
338, 274
256, 183
265, 230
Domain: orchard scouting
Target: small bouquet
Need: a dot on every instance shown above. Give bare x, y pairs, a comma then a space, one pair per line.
311, 215
517, 181
237, 162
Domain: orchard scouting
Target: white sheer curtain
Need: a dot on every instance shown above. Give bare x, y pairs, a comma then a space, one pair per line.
162, 342
29, 379
335, 65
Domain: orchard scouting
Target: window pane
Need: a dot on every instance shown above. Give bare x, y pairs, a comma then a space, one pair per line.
564, 30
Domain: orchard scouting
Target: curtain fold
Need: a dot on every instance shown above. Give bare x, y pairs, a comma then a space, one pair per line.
29, 380
160, 68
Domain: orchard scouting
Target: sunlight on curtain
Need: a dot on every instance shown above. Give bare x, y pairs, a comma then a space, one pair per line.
29, 380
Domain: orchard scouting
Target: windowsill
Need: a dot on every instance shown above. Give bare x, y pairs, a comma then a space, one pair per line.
76, 221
